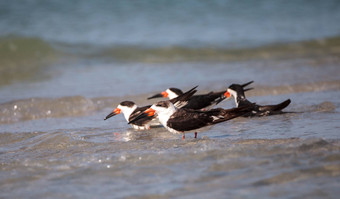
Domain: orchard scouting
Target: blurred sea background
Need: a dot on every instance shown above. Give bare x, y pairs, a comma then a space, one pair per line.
64, 65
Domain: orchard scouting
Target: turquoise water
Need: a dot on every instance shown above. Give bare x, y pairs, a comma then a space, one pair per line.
216, 23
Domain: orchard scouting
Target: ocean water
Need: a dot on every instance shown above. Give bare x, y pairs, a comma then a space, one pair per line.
64, 65
216, 23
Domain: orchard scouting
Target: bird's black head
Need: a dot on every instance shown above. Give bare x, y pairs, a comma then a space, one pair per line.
176, 91
127, 103
237, 88
164, 104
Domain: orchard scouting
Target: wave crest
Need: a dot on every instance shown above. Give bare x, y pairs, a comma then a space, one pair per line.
23, 58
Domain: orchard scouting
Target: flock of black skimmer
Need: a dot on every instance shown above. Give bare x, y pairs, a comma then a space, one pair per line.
185, 112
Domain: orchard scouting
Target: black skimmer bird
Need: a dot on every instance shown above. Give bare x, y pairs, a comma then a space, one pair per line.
237, 91
196, 102
183, 120
131, 110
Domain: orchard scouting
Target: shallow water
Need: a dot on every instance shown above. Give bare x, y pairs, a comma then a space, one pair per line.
64, 145
56, 89
68, 165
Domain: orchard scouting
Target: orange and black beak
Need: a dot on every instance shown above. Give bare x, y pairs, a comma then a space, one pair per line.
147, 113
150, 112
114, 112
227, 94
162, 94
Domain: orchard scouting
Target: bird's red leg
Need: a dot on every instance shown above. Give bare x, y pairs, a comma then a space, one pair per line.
183, 136
195, 134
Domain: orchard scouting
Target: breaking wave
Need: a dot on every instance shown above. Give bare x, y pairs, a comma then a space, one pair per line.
26, 59
18, 51
329, 46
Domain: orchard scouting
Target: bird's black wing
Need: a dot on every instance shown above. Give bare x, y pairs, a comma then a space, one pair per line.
228, 114
137, 112
186, 120
182, 100
198, 102
245, 102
